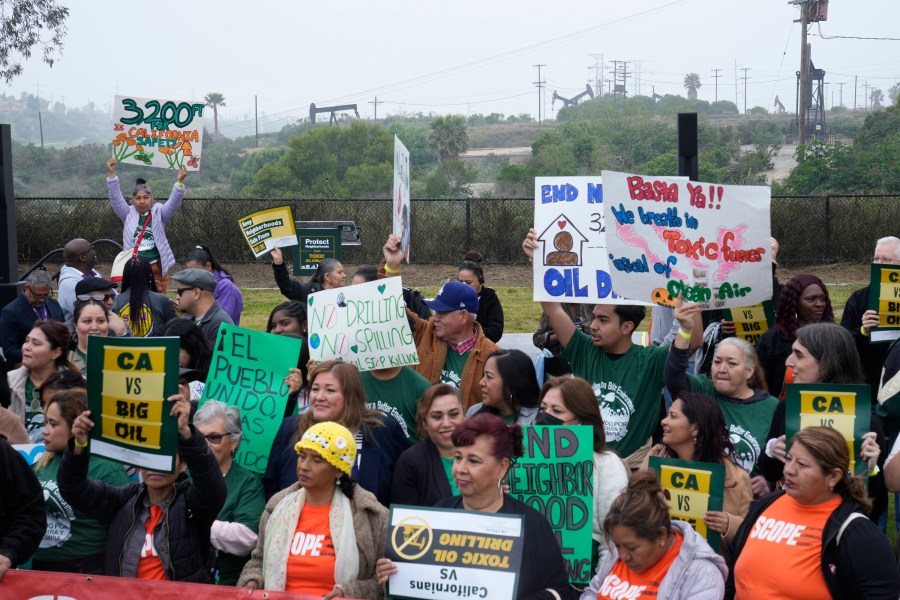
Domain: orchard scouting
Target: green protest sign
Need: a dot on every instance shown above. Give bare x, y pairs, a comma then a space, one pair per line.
247, 371
129, 380
443, 553
750, 322
692, 488
845, 407
314, 246
884, 298
555, 477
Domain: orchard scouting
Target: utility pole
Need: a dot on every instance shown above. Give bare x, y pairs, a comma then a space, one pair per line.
745, 78
866, 97
804, 70
855, 78
256, 116
615, 80
841, 96
376, 107
716, 77
41, 126
735, 84
598, 73
540, 86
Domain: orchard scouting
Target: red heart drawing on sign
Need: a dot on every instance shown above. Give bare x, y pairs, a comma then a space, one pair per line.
561, 224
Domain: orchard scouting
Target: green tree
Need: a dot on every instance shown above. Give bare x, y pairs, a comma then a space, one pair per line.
876, 97
692, 84
448, 137
450, 179
894, 93
215, 100
25, 24
355, 160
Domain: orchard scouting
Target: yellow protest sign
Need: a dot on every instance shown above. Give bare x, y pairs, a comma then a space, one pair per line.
269, 228
692, 489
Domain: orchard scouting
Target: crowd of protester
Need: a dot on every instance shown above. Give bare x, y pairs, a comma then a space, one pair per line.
795, 522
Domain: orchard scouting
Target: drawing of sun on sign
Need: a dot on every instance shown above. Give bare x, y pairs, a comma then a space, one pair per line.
562, 243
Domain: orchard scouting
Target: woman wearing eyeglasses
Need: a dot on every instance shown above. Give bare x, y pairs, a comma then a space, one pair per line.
234, 531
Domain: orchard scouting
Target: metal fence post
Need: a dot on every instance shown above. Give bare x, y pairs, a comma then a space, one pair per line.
468, 223
828, 257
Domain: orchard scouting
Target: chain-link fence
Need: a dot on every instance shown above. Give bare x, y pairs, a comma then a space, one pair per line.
811, 229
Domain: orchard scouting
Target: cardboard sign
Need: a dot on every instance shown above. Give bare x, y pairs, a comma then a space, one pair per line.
750, 322
247, 371
269, 228
692, 489
129, 380
571, 264
362, 324
845, 407
401, 208
555, 477
48, 585
446, 554
314, 246
884, 298
708, 243
164, 134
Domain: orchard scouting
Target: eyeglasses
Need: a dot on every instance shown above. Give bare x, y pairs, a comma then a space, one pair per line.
99, 296
40, 296
215, 438
884, 260
180, 291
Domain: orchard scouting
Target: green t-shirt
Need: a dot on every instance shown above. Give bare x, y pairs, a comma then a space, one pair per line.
397, 397
244, 504
748, 422
70, 533
448, 469
453, 368
629, 389
148, 248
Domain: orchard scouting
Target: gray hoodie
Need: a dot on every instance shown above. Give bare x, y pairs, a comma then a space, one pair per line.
698, 573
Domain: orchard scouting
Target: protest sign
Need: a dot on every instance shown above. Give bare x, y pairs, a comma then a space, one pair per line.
884, 298
164, 134
314, 246
845, 407
692, 488
750, 322
707, 243
555, 477
448, 554
571, 264
363, 324
247, 371
401, 222
129, 381
269, 228
49, 585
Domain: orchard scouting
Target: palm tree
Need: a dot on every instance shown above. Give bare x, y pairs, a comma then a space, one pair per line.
215, 99
876, 96
692, 84
448, 137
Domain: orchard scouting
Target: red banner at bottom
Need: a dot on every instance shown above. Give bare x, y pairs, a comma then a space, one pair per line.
44, 585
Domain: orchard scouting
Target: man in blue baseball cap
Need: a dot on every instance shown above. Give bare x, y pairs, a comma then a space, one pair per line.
452, 346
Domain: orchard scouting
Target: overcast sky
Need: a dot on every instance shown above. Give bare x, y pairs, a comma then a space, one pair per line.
459, 56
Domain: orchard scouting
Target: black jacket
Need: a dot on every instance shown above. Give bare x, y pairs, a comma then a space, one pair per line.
871, 355
23, 514
862, 566
419, 477
291, 288
490, 314
184, 530
542, 565
16, 322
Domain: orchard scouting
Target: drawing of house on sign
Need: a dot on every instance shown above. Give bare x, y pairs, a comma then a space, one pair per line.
562, 243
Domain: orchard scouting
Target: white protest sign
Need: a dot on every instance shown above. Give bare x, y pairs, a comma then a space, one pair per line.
707, 242
364, 324
570, 263
401, 207
165, 134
